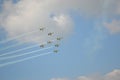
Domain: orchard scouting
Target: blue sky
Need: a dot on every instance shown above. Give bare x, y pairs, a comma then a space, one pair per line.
91, 43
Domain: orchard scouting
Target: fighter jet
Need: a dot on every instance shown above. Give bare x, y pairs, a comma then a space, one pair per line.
49, 42
56, 45
59, 38
42, 46
42, 28
50, 34
55, 51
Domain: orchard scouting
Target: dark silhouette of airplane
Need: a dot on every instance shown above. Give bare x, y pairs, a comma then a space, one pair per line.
59, 38
42, 46
42, 28
49, 42
50, 34
56, 45
55, 51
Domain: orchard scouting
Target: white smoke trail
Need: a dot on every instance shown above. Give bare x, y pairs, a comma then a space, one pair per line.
28, 58
11, 46
12, 52
19, 50
14, 56
4, 41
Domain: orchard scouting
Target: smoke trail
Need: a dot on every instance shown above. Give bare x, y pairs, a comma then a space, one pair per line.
21, 49
11, 46
20, 43
28, 58
18, 36
14, 56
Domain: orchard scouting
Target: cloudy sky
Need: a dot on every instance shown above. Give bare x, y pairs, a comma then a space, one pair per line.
90, 49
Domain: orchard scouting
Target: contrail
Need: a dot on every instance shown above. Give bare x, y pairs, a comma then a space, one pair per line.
21, 49
17, 44
11, 46
14, 56
28, 58
4, 41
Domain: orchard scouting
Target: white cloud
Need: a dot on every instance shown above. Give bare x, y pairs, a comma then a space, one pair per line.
93, 77
113, 27
59, 79
114, 75
28, 15
112, 11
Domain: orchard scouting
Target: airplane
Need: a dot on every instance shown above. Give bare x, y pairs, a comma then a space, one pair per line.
42, 46
50, 34
41, 29
55, 51
59, 38
49, 42
56, 45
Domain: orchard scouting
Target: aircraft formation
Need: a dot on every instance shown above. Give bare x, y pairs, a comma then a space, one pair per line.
12, 54
53, 43
50, 34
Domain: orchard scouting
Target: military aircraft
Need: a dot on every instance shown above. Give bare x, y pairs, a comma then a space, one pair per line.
42, 46
49, 42
59, 38
42, 28
55, 51
56, 45
50, 34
